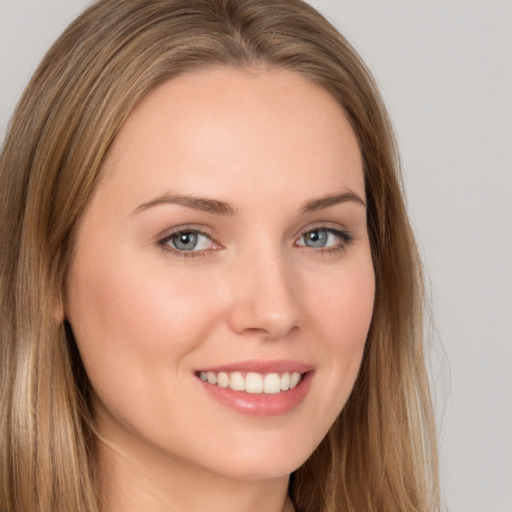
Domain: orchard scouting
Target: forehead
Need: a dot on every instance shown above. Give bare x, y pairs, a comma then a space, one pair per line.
221, 126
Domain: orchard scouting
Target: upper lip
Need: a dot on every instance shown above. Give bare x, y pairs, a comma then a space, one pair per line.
261, 366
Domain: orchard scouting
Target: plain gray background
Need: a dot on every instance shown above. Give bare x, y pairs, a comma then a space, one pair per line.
445, 71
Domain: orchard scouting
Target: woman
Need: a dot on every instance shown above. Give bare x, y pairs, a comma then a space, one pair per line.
209, 282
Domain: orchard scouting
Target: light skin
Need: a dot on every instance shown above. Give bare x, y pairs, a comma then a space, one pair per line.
264, 168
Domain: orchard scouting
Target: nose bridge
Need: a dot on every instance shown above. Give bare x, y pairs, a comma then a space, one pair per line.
264, 297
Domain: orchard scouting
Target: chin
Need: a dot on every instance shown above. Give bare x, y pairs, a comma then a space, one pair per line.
259, 461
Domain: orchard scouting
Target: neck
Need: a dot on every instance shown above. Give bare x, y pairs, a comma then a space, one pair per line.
154, 482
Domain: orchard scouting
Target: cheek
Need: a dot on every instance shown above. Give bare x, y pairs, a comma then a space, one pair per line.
135, 326
351, 320
131, 320
343, 312
344, 302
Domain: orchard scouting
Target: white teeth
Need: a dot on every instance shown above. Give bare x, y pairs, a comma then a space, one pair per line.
294, 379
211, 377
256, 383
253, 383
272, 384
223, 380
237, 381
285, 382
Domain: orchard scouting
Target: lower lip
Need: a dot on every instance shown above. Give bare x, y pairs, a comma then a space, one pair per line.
261, 404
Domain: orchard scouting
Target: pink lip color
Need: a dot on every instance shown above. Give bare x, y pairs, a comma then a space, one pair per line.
280, 366
262, 404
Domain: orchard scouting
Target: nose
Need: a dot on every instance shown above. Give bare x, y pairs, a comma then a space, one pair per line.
264, 297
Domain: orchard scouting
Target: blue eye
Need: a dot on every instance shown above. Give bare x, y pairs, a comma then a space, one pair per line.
321, 238
317, 238
188, 241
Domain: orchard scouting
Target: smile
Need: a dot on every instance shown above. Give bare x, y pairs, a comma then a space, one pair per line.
252, 382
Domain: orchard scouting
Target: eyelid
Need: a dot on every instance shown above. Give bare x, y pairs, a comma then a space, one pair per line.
163, 239
185, 228
344, 234
328, 226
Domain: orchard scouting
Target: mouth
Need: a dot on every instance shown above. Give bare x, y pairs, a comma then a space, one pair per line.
253, 382
258, 388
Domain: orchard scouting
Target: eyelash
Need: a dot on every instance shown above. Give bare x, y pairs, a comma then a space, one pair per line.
166, 248
346, 239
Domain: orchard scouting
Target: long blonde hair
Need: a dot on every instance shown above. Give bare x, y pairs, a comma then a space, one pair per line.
380, 455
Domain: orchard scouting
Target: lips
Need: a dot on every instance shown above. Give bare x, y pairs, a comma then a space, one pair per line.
260, 388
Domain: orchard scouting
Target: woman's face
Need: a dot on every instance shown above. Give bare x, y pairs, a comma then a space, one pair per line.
225, 242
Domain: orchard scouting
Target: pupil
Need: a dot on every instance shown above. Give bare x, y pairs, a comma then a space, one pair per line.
185, 241
317, 238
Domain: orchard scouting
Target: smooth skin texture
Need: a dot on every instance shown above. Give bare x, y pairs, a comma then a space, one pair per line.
257, 285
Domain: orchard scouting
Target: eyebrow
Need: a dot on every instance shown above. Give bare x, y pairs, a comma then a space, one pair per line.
197, 203
331, 200
222, 208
